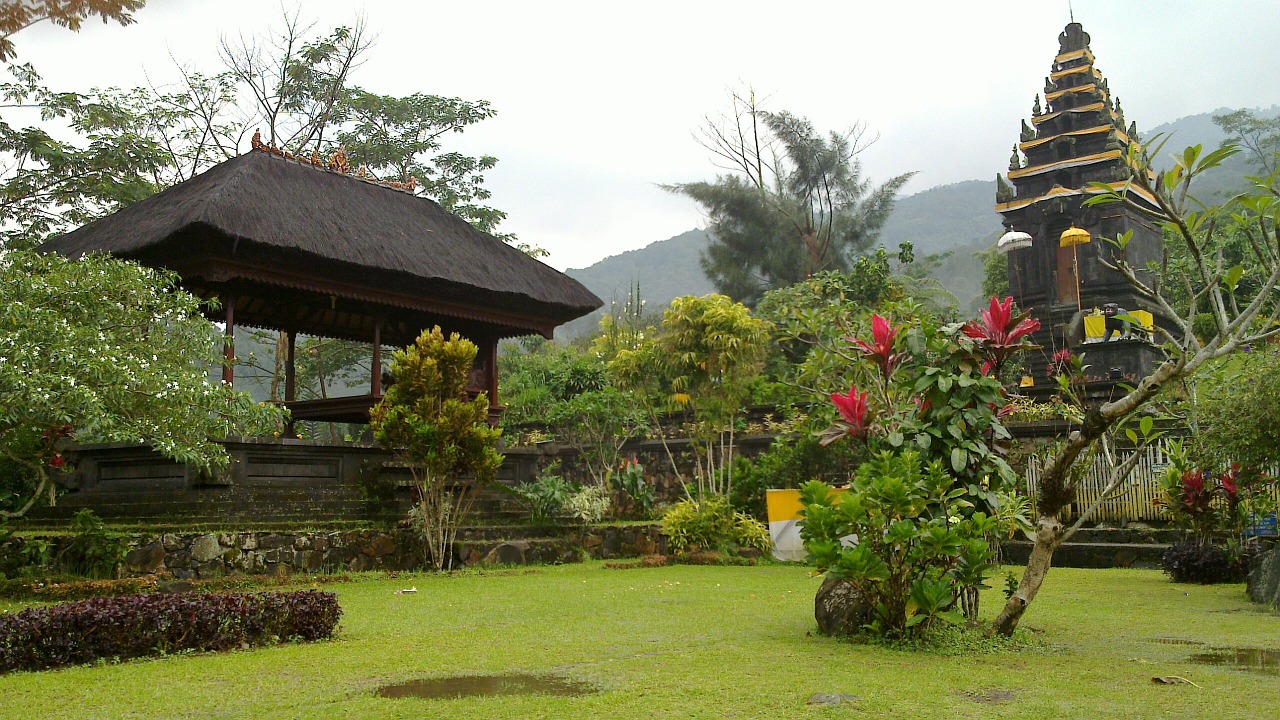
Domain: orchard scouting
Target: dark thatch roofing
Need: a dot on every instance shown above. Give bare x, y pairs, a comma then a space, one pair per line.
265, 209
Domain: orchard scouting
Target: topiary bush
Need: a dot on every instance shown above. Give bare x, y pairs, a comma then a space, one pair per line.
139, 625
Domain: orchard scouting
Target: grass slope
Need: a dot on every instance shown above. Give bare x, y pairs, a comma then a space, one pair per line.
692, 642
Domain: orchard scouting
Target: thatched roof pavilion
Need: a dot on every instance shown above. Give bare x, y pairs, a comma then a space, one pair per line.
307, 247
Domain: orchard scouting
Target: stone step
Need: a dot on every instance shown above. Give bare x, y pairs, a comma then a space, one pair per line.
1091, 554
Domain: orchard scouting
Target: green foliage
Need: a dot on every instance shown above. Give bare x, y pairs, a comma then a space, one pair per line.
1214, 506
442, 434
711, 524
913, 548
82, 354
995, 273
1235, 412
92, 551
797, 205
789, 462
589, 504
702, 360
546, 496
638, 493
1260, 136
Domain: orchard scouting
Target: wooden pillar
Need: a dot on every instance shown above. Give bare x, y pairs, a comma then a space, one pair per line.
229, 352
375, 379
491, 349
290, 368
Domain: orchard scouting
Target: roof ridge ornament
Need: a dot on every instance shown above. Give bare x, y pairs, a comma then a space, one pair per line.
337, 162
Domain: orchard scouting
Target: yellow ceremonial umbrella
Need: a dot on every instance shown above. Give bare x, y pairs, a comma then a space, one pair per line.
1073, 237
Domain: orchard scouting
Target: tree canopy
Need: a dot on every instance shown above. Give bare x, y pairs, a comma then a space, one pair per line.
794, 201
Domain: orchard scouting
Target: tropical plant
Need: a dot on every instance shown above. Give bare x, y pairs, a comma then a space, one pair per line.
711, 524
701, 361
589, 504
910, 544
545, 496
637, 493
442, 434
82, 358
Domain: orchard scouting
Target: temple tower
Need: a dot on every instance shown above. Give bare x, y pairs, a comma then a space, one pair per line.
1077, 136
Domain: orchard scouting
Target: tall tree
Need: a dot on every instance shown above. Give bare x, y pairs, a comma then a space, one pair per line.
17, 15
1259, 136
792, 203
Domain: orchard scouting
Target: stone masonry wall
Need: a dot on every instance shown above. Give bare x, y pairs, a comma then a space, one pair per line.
202, 555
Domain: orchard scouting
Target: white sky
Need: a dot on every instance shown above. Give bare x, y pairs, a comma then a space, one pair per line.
597, 101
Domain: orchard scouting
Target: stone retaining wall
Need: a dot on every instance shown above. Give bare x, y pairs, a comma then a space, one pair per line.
201, 555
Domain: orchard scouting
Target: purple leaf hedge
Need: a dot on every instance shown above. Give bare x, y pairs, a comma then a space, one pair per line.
139, 625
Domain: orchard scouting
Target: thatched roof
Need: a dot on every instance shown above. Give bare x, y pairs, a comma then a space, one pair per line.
272, 214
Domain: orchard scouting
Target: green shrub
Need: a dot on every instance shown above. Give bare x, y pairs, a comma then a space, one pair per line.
546, 496
92, 551
138, 625
630, 480
590, 504
711, 524
915, 556
789, 463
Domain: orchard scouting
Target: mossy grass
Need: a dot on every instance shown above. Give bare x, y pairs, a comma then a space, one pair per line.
697, 642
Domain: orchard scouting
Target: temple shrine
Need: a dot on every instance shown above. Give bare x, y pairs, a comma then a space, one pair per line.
1056, 245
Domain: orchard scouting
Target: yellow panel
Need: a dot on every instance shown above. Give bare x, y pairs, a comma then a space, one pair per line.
1047, 116
782, 505
1144, 317
1094, 326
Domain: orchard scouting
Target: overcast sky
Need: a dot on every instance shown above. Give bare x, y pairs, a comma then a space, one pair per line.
597, 101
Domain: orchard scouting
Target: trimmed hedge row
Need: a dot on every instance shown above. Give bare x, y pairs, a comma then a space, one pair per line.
61, 589
138, 625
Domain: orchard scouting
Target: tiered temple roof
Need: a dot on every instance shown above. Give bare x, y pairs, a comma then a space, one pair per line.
1077, 138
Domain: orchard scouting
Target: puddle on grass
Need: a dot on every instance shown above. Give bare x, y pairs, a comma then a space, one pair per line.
450, 688
1257, 660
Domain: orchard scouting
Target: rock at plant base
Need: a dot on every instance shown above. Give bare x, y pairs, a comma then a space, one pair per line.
206, 548
839, 608
146, 559
175, 586
1264, 580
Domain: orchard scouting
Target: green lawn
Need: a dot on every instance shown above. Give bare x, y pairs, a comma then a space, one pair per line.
682, 642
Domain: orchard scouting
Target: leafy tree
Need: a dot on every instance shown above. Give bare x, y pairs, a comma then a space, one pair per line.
108, 351
1260, 136
1233, 410
443, 435
701, 360
794, 202
1235, 320
17, 15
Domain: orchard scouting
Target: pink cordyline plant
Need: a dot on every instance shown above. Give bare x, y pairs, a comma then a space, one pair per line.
880, 349
853, 413
1000, 332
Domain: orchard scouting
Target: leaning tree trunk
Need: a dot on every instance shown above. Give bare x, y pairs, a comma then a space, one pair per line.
1048, 537
1056, 491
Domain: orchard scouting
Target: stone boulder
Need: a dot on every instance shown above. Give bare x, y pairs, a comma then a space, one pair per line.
146, 559
1264, 580
839, 608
